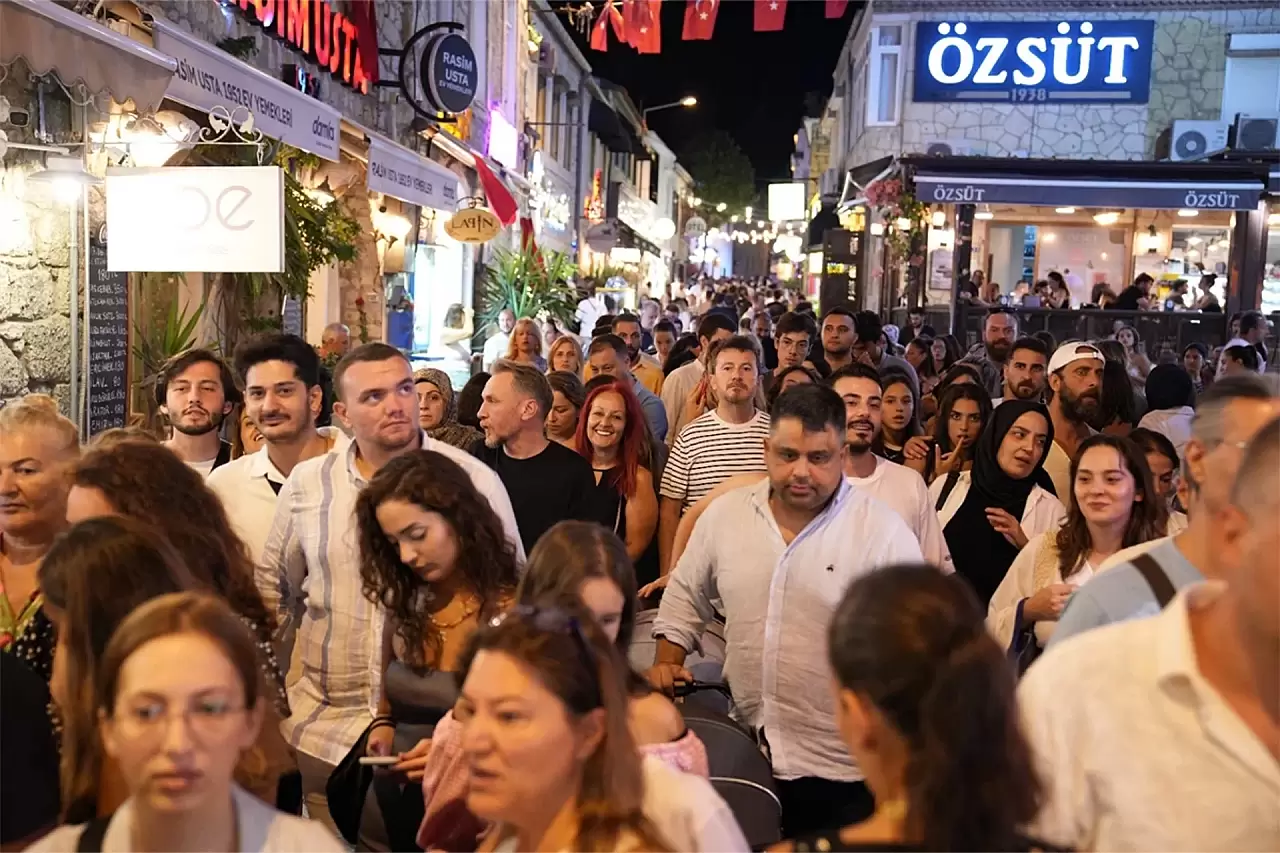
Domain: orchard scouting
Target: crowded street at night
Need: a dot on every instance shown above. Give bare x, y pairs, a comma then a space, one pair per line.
639, 425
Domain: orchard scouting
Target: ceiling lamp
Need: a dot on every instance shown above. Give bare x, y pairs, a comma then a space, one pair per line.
985, 213
1066, 211
938, 218
1107, 217
1188, 212
66, 175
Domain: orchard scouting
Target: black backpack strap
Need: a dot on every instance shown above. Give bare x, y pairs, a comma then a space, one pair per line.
952, 479
224, 455
1156, 578
92, 835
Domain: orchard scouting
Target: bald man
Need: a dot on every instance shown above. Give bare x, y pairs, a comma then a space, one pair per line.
335, 341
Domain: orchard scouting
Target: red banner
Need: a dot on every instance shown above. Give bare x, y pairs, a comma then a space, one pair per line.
769, 15
700, 19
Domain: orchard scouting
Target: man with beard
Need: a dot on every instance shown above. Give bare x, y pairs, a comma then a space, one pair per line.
1024, 372
998, 332
644, 367
546, 481
1075, 393
283, 396
726, 441
309, 575
196, 391
838, 336
777, 556
607, 356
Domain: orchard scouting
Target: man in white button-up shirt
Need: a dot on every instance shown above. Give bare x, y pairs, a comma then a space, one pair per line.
282, 398
778, 555
309, 575
1164, 733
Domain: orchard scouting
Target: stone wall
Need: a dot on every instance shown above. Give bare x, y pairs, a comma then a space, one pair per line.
1187, 78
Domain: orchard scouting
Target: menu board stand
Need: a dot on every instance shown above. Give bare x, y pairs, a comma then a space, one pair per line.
107, 374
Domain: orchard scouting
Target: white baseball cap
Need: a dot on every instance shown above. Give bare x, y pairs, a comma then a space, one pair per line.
1075, 351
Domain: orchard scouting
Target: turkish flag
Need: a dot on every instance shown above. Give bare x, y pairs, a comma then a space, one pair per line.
630, 24
700, 19
501, 202
835, 8
769, 15
600, 32
648, 37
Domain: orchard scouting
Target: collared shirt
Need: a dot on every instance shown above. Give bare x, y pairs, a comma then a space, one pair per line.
675, 393
904, 491
1120, 592
647, 372
778, 599
248, 487
1138, 750
654, 411
309, 577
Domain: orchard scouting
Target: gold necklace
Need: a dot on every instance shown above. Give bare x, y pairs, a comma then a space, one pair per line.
469, 609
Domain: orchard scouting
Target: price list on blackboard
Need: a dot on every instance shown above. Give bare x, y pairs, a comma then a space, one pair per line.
108, 370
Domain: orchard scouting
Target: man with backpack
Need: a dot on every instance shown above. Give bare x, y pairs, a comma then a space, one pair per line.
1228, 415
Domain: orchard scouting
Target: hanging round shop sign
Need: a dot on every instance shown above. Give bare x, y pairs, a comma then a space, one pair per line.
473, 225
695, 226
449, 72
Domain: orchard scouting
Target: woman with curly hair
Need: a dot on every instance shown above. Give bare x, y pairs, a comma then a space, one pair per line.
435, 558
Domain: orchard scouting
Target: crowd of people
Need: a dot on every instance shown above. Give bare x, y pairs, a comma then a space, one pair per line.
1022, 597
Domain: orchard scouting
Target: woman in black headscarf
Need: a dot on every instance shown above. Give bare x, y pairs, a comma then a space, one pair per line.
1006, 499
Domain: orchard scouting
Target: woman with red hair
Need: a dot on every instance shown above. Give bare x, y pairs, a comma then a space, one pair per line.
612, 437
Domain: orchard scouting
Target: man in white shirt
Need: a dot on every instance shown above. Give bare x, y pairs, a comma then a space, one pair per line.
309, 575
719, 444
897, 486
1230, 413
196, 391
496, 346
777, 556
281, 376
1163, 733
684, 390
1073, 396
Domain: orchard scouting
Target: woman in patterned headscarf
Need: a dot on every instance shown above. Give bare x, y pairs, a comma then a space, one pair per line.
438, 410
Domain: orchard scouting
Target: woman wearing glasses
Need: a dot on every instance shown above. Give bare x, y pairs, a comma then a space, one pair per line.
179, 699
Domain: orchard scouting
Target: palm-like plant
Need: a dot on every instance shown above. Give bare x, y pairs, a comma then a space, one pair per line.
176, 334
531, 282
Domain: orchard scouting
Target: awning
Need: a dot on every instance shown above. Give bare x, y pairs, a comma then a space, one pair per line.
207, 77
613, 131
79, 50
1156, 195
825, 220
400, 173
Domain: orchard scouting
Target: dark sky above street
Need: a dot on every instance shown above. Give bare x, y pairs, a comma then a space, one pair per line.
751, 85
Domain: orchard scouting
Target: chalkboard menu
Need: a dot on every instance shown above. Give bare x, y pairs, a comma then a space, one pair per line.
107, 376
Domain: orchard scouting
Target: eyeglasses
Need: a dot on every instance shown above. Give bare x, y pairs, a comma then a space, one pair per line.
207, 720
556, 620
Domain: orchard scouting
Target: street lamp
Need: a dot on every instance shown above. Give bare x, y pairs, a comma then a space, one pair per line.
686, 101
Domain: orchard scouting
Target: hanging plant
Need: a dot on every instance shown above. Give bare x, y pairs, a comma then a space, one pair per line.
892, 203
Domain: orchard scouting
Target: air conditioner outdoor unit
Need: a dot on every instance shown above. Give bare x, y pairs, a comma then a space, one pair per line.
1192, 139
1255, 133
948, 148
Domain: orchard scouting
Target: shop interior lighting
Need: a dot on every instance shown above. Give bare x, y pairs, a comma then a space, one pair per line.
1187, 212
1273, 220
938, 218
985, 213
1050, 237
1107, 217
1152, 240
1195, 240
66, 176
1066, 211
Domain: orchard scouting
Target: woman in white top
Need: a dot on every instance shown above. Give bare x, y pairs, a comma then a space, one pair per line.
1111, 508
179, 700
988, 514
1170, 394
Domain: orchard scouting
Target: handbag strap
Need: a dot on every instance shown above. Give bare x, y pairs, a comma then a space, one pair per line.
1156, 578
93, 834
948, 485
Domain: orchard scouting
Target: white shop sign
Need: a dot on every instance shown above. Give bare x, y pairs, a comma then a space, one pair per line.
399, 173
206, 78
196, 219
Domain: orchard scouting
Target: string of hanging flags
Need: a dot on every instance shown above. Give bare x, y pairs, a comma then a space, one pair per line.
638, 23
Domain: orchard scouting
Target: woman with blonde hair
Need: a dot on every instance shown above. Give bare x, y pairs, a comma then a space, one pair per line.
565, 355
525, 346
37, 447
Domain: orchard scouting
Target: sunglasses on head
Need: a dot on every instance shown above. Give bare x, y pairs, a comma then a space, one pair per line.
557, 620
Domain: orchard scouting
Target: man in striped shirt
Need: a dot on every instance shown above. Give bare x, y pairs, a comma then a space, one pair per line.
726, 441
310, 571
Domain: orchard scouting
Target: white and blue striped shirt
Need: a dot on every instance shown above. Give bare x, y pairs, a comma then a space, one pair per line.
309, 577
777, 600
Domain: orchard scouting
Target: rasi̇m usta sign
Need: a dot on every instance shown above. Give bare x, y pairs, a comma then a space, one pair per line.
344, 44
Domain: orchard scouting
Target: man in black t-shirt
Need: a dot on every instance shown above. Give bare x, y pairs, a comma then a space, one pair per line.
547, 482
1135, 297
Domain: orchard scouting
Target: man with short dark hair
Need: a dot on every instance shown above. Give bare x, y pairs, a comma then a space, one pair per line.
1074, 394
775, 557
1161, 733
644, 368
1137, 296
1025, 371
839, 332
793, 337
1253, 331
281, 377
607, 356
868, 348
196, 391
915, 325
309, 575
547, 482
762, 328
999, 330
686, 381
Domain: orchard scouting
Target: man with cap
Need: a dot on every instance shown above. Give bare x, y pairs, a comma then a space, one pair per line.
1074, 396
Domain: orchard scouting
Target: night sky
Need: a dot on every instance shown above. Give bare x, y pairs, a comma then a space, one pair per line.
751, 85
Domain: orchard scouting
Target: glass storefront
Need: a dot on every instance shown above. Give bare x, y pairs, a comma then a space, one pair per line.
441, 287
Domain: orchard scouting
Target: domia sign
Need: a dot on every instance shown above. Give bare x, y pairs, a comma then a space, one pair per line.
1034, 62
